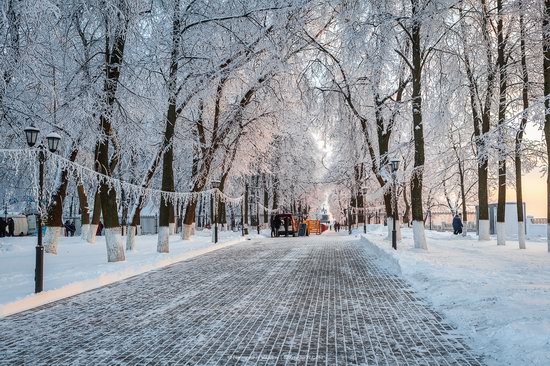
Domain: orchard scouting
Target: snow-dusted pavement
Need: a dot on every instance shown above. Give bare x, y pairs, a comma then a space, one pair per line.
316, 300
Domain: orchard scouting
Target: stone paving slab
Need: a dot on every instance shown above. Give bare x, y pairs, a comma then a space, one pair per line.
286, 301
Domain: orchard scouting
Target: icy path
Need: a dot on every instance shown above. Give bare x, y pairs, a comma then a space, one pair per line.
316, 300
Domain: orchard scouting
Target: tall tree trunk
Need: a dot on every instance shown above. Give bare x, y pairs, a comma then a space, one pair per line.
246, 204
406, 215
502, 65
222, 209
418, 131
96, 218
266, 201
483, 159
275, 188
463, 198
166, 215
55, 208
519, 135
109, 208
189, 219
84, 209
546, 64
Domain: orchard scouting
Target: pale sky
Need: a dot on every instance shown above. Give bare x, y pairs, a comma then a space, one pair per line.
534, 194
534, 183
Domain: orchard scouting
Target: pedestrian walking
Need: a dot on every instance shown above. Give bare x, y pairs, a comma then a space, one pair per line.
11, 227
457, 224
277, 225
70, 228
99, 228
67, 225
272, 224
3, 225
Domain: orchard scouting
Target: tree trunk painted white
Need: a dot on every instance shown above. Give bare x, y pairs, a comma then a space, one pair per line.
85, 231
115, 247
484, 230
187, 231
131, 238
501, 233
51, 239
172, 228
465, 228
548, 236
419, 235
397, 229
521, 235
92, 234
193, 229
163, 244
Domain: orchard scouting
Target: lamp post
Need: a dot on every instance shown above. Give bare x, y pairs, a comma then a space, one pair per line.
31, 134
215, 186
364, 190
394, 167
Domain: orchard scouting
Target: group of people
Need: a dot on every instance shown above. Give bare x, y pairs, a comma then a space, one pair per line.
7, 227
336, 226
276, 223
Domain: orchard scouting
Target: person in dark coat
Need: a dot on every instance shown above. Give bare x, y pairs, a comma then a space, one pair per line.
67, 226
99, 228
72, 226
457, 225
11, 227
3, 225
272, 224
276, 225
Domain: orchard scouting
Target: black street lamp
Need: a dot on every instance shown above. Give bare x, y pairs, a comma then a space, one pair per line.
31, 134
215, 186
394, 167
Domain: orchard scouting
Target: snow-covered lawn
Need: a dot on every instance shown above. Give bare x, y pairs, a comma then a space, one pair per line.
80, 266
498, 296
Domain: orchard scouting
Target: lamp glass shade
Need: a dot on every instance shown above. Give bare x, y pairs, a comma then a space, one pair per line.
364, 190
215, 184
53, 141
394, 165
31, 134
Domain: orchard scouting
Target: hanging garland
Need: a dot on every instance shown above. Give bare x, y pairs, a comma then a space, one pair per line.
54, 162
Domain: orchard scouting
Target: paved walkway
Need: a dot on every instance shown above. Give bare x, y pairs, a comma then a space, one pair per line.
295, 301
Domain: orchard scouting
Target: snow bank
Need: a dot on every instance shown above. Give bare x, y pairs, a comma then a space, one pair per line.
80, 266
498, 296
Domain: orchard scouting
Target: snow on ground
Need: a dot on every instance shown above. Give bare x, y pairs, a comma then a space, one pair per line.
80, 266
497, 296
